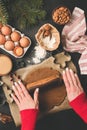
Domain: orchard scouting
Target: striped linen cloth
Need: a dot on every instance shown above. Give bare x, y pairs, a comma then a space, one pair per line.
74, 38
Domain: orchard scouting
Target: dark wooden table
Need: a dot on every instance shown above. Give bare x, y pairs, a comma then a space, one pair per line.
64, 120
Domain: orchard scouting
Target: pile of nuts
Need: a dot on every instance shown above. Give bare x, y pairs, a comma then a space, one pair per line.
61, 15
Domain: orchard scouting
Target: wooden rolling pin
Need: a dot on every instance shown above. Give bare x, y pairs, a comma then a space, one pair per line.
43, 81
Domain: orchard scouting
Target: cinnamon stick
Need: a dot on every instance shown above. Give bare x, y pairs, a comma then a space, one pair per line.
5, 118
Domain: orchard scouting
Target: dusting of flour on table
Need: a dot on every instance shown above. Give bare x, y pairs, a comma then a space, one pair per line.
40, 53
36, 60
49, 42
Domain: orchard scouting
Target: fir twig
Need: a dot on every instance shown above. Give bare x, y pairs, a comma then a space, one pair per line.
3, 13
26, 12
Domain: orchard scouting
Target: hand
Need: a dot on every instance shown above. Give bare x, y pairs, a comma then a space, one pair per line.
22, 98
72, 84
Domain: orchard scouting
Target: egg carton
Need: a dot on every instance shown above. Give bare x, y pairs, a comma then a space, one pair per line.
7, 37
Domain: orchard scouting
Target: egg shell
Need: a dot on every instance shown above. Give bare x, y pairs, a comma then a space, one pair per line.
6, 30
24, 42
18, 51
2, 39
9, 45
15, 36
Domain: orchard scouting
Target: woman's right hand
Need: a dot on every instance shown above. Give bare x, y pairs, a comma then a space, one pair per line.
72, 84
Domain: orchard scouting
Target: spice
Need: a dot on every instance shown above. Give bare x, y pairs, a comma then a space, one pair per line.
5, 118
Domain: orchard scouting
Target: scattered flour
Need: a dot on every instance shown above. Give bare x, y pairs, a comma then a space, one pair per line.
36, 60
40, 53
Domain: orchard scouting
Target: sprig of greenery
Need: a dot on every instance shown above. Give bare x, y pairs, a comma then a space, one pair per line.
26, 13
3, 13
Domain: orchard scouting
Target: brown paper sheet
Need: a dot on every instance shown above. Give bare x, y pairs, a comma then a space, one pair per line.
52, 97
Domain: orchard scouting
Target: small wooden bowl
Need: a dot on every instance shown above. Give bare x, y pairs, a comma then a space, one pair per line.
61, 15
5, 65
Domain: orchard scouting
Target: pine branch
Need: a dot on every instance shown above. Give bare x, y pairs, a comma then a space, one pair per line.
26, 12
3, 13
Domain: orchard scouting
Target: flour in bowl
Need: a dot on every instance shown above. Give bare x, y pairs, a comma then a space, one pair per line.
49, 42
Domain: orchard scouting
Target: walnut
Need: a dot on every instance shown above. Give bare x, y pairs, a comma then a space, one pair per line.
61, 15
47, 27
47, 31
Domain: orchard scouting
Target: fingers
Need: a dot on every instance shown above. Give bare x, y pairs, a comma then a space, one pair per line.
78, 81
65, 78
36, 94
71, 79
22, 96
21, 93
23, 88
20, 90
15, 99
17, 94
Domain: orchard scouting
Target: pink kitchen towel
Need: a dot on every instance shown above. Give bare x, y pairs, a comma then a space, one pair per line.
74, 38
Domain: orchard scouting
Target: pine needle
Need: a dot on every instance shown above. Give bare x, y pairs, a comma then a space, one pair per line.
3, 13
26, 12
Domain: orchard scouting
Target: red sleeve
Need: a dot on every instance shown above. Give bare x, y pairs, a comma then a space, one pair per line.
28, 119
79, 105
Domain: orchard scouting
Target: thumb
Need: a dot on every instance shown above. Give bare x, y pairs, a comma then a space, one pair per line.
36, 94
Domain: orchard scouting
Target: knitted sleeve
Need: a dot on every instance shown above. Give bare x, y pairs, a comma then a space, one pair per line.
28, 119
79, 105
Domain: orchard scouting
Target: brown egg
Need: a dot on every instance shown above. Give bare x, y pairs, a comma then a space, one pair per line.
24, 42
9, 45
15, 36
6, 30
18, 51
2, 39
